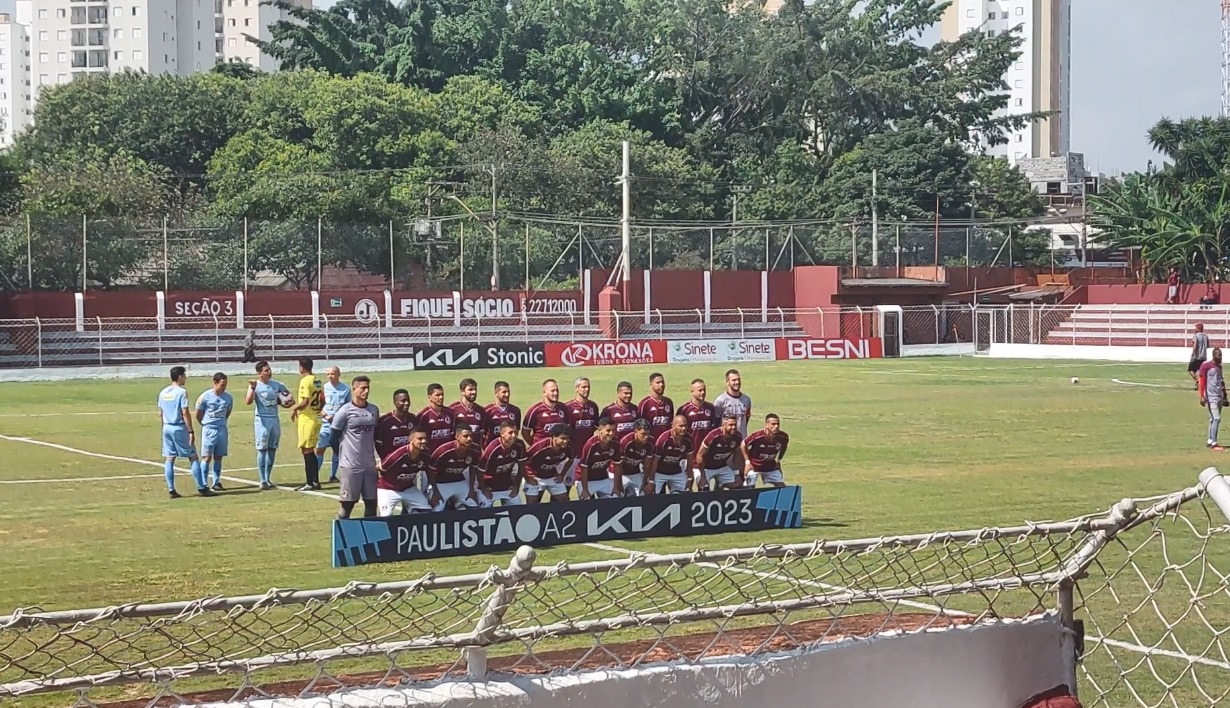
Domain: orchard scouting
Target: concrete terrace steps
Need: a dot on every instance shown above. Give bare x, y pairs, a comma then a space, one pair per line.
1140, 325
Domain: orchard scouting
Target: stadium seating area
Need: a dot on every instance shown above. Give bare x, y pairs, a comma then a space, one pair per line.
28, 347
1139, 325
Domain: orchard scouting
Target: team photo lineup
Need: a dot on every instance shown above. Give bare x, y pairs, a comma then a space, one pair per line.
467, 455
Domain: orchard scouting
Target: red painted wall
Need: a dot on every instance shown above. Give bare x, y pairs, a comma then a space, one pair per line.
814, 287
1148, 294
685, 290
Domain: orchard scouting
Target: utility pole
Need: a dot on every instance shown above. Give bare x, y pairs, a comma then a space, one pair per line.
495, 231
875, 221
625, 226
739, 190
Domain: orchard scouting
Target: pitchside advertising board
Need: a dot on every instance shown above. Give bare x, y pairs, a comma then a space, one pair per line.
708, 351
447, 534
512, 355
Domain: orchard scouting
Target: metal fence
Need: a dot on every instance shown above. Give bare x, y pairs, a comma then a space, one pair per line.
1141, 590
1100, 325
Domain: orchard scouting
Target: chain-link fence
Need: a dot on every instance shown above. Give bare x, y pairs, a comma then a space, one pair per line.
1141, 591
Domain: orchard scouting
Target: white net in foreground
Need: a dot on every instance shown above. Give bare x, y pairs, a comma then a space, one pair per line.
1139, 591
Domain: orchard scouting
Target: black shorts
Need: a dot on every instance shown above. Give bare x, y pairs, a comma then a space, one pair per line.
1194, 365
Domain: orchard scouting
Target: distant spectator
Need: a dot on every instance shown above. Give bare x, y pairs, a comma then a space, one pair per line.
1172, 292
249, 347
1210, 297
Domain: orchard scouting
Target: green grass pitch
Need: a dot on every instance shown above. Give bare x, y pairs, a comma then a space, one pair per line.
880, 447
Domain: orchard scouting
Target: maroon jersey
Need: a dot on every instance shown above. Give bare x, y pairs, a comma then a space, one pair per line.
497, 414
624, 417
598, 460
659, 412
499, 464
634, 453
391, 434
701, 419
539, 419
584, 417
670, 453
719, 449
475, 417
765, 454
400, 469
439, 426
451, 463
543, 462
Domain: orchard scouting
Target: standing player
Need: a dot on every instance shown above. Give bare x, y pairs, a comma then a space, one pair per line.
1200, 350
763, 451
701, 418
599, 458
543, 416
467, 411
715, 456
734, 402
672, 457
637, 449
393, 432
622, 413
354, 425
657, 408
307, 412
336, 395
452, 471
543, 462
501, 411
501, 463
399, 472
1212, 386
583, 415
178, 437
437, 419
267, 393
213, 411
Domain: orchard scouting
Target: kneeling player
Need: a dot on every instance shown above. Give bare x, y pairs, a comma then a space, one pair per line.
713, 459
763, 451
543, 461
501, 463
452, 471
598, 461
636, 448
672, 455
399, 472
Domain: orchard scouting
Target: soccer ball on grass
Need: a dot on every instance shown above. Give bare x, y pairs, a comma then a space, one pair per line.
1075, 380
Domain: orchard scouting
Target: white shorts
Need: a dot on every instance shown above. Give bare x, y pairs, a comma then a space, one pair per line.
771, 477
722, 476
676, 483
601, 488
509, 498
553, 486
633, 484
454, 491
387, 501
569, 470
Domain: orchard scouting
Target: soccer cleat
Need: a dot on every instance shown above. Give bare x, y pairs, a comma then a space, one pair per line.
218, 487
316, 486
267, 486
305, 488
204, 492
174, 494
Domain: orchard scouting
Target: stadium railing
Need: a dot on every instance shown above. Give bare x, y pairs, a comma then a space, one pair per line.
98, 341
1141, 590
1104, 325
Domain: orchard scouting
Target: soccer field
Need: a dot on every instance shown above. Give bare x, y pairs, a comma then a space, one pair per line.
879, 447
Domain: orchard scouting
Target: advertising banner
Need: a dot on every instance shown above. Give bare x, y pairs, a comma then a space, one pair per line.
447, 534
513, 355
606, 353
720, 351
793, 349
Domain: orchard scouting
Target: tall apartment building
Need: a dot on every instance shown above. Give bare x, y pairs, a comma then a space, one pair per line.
66, 39
1040, 80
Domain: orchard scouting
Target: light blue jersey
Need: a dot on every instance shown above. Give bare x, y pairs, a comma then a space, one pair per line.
215, 409
267, 424
336, 396
175, 443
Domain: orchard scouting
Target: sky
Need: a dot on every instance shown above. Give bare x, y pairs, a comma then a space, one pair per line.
1133, 62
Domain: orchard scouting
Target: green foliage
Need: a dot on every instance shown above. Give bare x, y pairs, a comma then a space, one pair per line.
392, 110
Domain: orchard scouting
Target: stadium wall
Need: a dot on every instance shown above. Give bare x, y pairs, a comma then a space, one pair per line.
991, 666
1189, 294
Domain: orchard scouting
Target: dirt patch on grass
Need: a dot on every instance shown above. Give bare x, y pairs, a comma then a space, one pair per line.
690, 647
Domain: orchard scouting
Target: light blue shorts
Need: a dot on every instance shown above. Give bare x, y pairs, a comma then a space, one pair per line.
175, 442
324, 440
215, 442
268, 434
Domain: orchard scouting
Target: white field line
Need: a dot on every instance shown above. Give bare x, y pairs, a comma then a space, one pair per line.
69, 414
181, 472
1121, 382
1150, 651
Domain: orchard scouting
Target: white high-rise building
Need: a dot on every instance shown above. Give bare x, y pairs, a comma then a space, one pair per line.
1040, 80
65, 39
